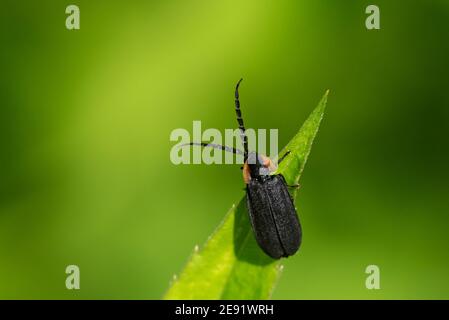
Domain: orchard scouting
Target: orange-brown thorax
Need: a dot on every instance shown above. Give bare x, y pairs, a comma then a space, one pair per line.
266, 163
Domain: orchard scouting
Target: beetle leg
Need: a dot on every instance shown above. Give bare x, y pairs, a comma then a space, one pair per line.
296, 186
283, 157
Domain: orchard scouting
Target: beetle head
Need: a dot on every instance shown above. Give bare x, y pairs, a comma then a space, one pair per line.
258, 165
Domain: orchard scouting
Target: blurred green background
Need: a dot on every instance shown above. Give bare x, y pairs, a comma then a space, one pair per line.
85, 119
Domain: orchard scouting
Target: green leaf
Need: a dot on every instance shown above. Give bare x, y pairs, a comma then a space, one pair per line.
231, 265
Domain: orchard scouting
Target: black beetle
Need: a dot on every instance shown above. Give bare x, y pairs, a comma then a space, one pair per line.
271, 210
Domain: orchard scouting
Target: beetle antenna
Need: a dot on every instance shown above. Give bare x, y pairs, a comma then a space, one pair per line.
215, 146
240, 120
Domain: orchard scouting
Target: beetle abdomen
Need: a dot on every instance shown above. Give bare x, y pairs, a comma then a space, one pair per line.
273, 216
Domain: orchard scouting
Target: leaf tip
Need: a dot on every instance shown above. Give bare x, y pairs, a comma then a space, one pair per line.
324, 99
323, 102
